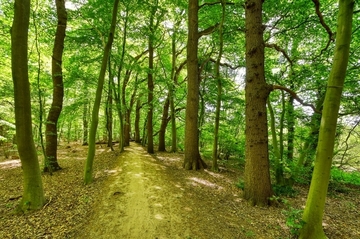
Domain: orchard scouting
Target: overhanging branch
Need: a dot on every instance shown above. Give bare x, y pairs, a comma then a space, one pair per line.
296, 97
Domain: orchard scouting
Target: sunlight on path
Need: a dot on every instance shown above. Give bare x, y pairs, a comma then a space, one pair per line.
136, 202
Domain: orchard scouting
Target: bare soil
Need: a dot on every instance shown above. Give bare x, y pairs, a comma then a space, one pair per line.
135, 195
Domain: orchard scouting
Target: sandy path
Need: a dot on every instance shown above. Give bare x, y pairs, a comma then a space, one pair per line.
137, 201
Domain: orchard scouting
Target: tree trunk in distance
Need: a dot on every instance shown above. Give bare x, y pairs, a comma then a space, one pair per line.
257, 188
51, 163
315, 202
308, 149
164, 123
192, 158
95, 112
85, 123
33, 194
127, 127
137, 121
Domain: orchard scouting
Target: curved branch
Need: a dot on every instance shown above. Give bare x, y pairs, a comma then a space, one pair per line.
327, 28
279, 49
296, 97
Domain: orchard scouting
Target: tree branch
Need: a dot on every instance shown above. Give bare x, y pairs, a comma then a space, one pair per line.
214, 3
296, 97
276, 47
208, 30
225, 64
327, 28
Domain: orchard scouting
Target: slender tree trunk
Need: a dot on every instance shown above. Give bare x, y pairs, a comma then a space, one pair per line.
257, 175
109, 115
278, 167
58, 90
33, 194
192, 159
95, 112
85, 123
127, 127
291, 128
137, 121
315, 202
310, 143
215, 166
164, 123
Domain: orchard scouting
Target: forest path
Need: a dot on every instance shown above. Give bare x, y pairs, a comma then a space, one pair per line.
137, 202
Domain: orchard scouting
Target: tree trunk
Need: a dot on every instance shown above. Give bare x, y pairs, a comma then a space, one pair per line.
150, 145
85, 123
192, 159
137, 121
215, 166
109, 115
308, 149
257, 176
315, 202
279, 172
51, 163
127, 127
33, 194
95, 112
164, 123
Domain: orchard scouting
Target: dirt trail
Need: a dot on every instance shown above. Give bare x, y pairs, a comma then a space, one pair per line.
137, 201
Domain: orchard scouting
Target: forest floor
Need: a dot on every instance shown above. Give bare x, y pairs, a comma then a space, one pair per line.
138, 196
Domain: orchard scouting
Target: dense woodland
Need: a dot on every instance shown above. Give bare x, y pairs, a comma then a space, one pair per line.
273, 84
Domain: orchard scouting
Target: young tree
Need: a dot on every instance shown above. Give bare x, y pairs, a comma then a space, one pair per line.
33, 194
257, 176
51, 163
315, 203
95, 112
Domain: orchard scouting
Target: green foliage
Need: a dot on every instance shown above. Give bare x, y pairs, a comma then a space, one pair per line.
241, 184
303, 174
340, 176
294, 220
284, 190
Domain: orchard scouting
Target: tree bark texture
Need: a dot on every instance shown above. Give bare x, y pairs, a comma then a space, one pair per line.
257, 176
192, 159
315, 202
95, 112
51, 162
33, 194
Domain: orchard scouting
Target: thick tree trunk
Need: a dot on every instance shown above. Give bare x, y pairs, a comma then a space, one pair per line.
150, 141
215, 166
95, 112
33, 194
192, 159
51, 163
315, 202
257, 175
164, 123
